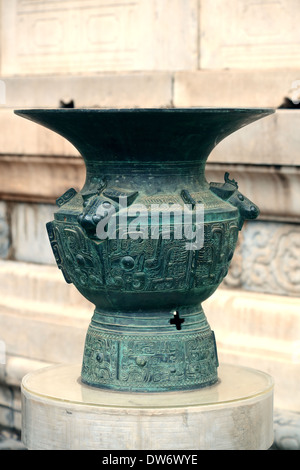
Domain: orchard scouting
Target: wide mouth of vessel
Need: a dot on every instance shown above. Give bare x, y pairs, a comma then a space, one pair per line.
145, 134
211, 109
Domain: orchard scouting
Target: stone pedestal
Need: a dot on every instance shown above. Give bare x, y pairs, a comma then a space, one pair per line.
59, 412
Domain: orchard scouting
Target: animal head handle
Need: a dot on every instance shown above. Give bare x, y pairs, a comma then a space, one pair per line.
228, 191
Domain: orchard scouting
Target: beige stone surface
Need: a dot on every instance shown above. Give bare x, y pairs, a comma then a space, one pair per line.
117, 90
225, 88
235, 88
17, 367
19, 136
274, 140
38, 283
29, 238
80, 36
249, 34
40, 179
42, 318
262, 331
58, 412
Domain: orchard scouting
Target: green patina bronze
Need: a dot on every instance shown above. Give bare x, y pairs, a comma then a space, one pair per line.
148, 332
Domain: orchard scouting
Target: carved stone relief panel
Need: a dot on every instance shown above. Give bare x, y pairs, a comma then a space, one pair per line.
249, 34
268, 259
68, 36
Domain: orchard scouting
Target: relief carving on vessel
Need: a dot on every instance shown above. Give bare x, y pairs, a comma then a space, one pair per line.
141, 362
143, 264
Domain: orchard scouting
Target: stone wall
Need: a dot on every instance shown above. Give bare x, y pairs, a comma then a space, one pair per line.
152, 53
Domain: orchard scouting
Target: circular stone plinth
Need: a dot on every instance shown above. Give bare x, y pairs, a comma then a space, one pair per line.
59, 412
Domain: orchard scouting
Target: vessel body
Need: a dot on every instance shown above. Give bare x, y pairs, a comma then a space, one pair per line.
148, 239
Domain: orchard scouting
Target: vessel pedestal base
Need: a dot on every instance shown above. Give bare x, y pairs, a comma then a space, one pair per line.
59, 412
146, 352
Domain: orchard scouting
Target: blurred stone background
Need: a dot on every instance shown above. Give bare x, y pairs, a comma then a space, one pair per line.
152, 53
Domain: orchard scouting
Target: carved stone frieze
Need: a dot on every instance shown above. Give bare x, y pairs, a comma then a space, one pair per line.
74, 36
268, 259
249, 34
